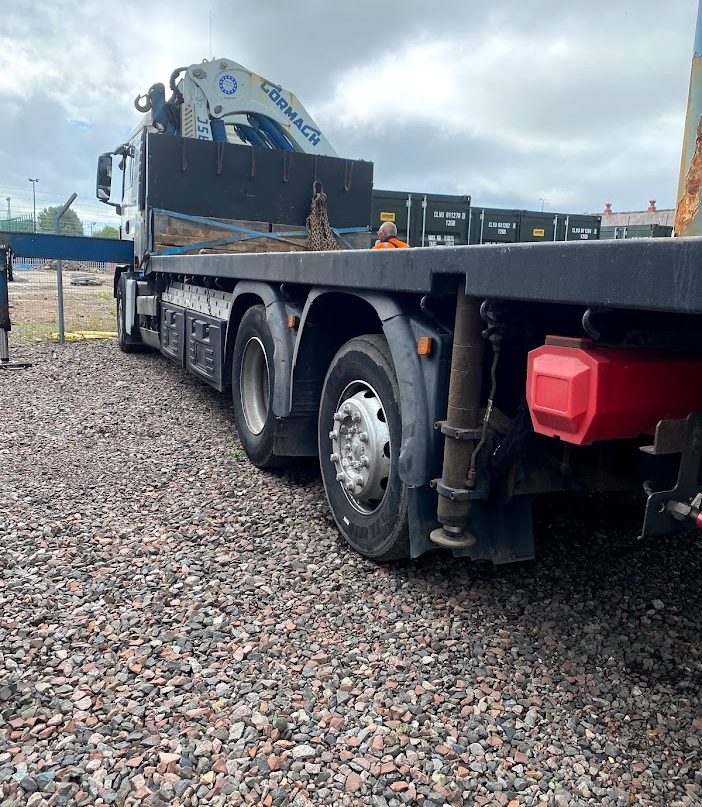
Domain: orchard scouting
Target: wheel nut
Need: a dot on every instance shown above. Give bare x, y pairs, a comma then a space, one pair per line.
334, 457
334, 435
346, 409
337, 416
340, 477
365, 462
350, 486
356, 417
363, 437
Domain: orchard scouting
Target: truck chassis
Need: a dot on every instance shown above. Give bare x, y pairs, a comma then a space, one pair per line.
405, 373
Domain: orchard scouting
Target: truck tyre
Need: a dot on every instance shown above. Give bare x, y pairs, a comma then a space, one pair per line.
253, 377
127, 342
360, 430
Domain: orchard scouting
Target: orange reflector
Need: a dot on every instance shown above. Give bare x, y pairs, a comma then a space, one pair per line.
293, 321
424, 345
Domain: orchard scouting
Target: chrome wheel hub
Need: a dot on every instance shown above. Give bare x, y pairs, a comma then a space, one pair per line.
361, 447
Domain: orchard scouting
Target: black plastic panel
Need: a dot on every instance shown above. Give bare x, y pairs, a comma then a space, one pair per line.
204, 347
172, 331
230, 181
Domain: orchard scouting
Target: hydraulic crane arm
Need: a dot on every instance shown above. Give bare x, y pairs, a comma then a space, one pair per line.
214, 96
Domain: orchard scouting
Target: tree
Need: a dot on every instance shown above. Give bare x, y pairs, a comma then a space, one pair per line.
70, 223
106, 232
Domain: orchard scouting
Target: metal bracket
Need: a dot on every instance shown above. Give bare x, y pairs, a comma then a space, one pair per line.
459, 434
669, 438
457, 494
659, 518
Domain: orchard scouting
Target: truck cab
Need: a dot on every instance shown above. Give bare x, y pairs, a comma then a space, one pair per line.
121, 183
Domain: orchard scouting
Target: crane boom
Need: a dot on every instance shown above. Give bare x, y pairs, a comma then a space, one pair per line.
221, 100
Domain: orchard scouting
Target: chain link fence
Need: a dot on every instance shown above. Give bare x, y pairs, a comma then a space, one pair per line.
88, 303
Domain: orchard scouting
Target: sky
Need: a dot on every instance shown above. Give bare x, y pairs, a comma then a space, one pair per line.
519, 104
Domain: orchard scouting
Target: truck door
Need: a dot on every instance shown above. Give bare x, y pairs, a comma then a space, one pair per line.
133, 219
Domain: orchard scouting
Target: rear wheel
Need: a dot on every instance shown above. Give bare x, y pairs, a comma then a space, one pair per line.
359, 442
253, 377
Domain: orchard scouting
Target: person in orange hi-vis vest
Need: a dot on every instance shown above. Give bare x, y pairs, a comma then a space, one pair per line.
387, 237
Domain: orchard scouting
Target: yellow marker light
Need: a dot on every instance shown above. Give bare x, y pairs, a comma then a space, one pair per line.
424, 345
293, 321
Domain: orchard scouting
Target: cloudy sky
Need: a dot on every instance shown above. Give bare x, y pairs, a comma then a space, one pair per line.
510, 101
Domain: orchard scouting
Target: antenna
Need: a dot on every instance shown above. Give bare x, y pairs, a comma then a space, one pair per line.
211, 54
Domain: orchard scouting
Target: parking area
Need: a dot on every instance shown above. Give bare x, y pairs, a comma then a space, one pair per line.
178, 627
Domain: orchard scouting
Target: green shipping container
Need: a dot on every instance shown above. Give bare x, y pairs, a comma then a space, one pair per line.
578, 228
392, 206
500, 226
489, 225
647, 231
637, 231
537, 226
423, 219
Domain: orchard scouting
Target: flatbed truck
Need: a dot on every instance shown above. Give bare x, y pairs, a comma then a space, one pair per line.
440, 388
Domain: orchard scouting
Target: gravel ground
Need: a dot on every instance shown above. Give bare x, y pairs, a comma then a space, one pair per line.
177, 627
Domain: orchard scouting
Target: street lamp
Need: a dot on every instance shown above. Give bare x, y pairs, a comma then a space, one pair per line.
9, 210
34, 199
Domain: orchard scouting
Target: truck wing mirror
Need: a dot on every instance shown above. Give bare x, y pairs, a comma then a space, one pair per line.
103, 184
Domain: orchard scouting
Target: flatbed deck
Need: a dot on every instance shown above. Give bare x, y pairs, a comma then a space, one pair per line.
646, 274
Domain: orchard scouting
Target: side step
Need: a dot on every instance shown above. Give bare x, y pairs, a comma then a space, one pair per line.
150, 338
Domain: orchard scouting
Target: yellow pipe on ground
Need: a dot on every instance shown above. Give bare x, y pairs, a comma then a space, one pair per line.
80, 336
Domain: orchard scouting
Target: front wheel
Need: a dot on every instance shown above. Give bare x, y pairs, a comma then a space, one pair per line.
360, 430
253, 379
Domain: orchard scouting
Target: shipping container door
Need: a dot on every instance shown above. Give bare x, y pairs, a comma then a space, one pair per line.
536, 226
441, 220
392, 206
578, 228
491, 225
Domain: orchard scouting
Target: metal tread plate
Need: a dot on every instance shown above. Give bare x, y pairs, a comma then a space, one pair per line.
212, 302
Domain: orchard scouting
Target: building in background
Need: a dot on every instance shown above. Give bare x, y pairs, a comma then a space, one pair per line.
651, 215
649, 223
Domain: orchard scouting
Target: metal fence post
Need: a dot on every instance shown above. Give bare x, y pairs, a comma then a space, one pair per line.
59, 269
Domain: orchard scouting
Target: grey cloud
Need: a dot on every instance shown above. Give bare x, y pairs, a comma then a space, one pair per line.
594, 122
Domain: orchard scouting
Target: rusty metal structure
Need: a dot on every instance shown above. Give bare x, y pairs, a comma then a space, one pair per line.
688, 220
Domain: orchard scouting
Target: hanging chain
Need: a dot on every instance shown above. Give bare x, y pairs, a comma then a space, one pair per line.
319, 232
